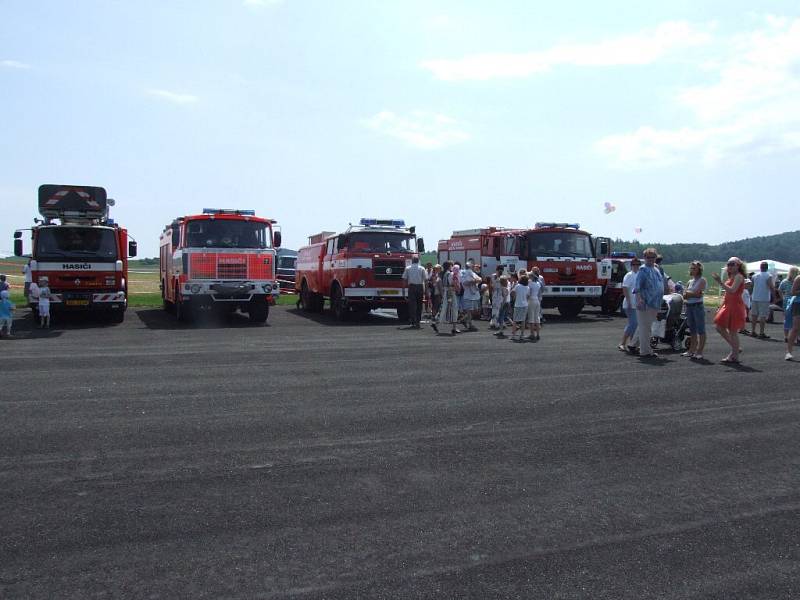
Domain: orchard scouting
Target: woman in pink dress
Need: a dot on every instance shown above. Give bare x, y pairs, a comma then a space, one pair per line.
732, 315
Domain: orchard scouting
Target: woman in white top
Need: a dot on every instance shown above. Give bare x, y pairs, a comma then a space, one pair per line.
535, 306
695, 311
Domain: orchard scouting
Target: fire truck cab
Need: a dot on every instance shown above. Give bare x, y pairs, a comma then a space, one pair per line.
80, 250
358, 270
573, 263
222, 259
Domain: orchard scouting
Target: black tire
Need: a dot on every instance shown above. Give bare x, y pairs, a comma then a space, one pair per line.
183, 309
168, 306
570, 309
117, 316
339, 309
258, 310
307, 298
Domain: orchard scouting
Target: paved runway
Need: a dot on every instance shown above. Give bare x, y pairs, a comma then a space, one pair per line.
306, 459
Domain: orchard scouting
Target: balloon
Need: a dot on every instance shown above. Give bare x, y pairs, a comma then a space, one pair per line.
638, 230
609, 208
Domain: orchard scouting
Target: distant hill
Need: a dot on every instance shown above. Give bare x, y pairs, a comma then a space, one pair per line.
784, 247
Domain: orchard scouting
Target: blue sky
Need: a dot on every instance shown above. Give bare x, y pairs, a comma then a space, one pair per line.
685, 116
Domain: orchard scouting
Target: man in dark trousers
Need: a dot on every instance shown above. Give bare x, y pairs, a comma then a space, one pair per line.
415, 277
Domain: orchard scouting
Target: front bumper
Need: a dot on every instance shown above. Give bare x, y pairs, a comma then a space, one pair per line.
85, 301
573, 291
231, 291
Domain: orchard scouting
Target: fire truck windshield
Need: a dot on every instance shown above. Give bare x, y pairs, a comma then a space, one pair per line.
84, 243
561, 243
226, 233
379, 241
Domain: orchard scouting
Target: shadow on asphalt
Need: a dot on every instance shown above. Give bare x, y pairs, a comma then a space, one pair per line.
25, 327
160, 319
376, 317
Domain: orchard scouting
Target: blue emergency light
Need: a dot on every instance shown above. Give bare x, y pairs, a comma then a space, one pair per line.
564, 225
385, 222
228, 211
623, 255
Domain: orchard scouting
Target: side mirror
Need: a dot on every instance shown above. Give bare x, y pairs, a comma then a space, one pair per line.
132, 247
420, 245
17, 247
497, 249
276, 239
604, 248
341, 241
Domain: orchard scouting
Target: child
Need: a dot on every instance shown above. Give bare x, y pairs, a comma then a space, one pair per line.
748, 288
486, 309
6, 312
522, 295
534, 316
504, 297
44, 303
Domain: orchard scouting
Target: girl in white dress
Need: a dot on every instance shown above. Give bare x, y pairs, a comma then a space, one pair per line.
44, 302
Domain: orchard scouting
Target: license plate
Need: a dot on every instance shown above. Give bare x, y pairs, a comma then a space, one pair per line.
388, 292
77, 303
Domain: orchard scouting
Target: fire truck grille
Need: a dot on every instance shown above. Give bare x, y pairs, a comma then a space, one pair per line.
232, 270
388, 270
230, 266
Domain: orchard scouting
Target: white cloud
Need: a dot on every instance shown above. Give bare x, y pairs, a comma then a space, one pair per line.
13, 64
753, 107
636, 49
420, 129
173, 97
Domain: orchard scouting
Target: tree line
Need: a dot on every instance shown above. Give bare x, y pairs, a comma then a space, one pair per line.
784, 247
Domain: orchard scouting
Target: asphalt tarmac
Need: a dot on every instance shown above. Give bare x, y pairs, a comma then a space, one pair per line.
305, 459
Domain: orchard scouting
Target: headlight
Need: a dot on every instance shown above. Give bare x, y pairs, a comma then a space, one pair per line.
196, 288
362, 283
267, 287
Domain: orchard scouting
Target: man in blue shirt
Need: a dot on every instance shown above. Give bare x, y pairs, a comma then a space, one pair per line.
649, 296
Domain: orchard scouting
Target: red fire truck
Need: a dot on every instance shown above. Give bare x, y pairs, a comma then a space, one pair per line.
223, 259
359, 270
84, 255
574, 264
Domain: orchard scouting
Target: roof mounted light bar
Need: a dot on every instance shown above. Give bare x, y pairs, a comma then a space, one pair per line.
228, 211
564, 225
383, 222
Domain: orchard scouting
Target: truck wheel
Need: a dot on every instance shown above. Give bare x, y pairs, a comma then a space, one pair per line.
339, 309
117, 316
309, 302
183, 309
258, 310
168, 306
569, 309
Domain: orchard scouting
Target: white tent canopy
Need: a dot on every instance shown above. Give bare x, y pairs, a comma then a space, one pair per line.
774, 267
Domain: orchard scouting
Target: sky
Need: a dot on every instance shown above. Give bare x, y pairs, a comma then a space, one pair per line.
661, 121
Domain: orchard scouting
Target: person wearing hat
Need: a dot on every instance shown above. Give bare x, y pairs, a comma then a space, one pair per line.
44, 302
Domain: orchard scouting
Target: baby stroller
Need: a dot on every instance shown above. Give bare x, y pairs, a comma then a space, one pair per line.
671, 326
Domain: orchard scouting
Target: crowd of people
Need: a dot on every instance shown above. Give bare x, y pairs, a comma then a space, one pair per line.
454, 294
